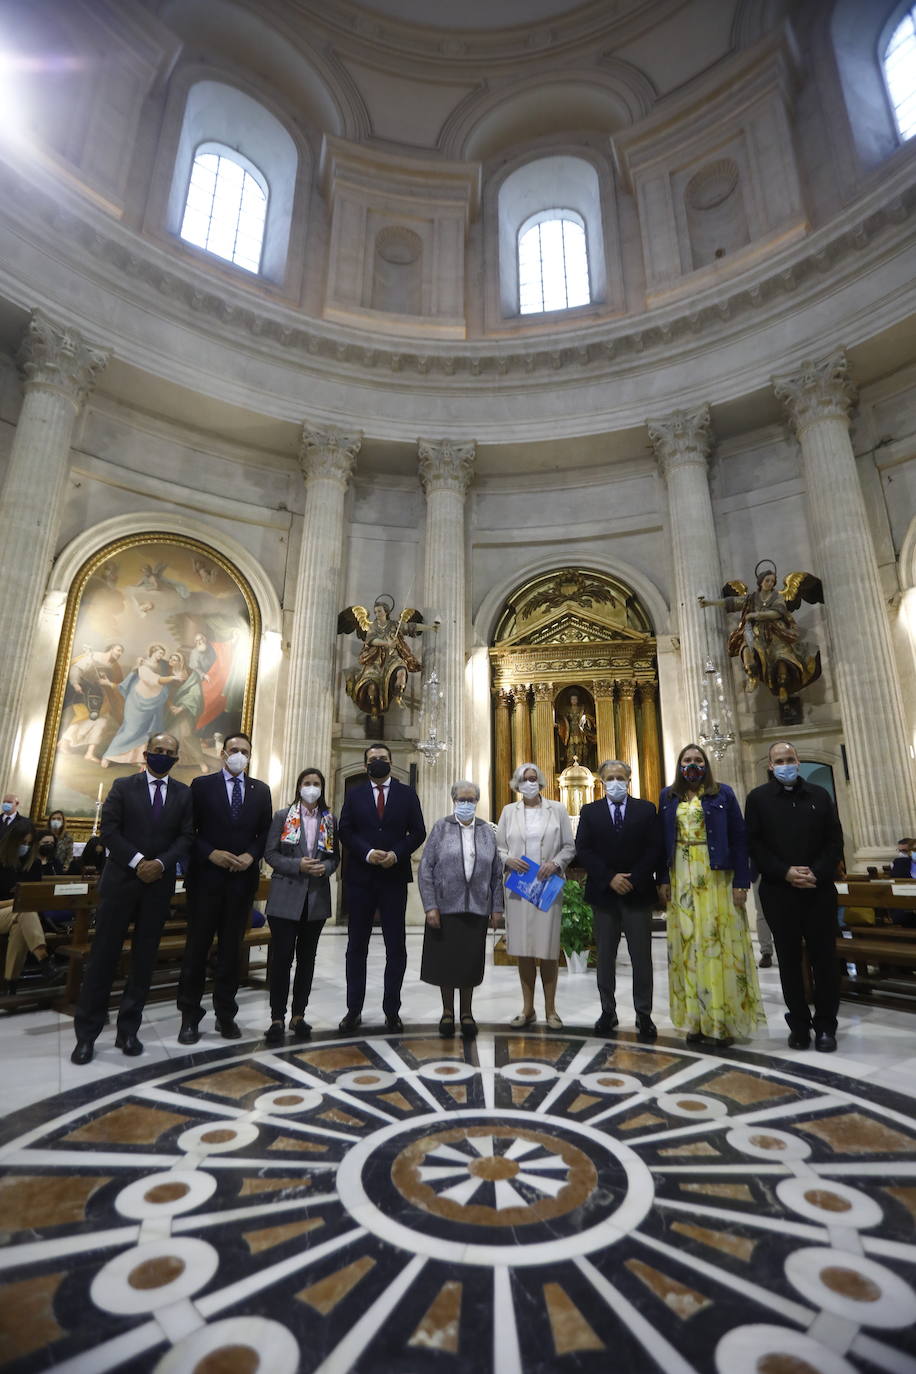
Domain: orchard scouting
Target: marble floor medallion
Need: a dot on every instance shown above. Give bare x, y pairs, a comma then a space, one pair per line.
522, 1203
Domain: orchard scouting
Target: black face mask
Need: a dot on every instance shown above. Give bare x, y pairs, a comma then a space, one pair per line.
160, 764
378, 768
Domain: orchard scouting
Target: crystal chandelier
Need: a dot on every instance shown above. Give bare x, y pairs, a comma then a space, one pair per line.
716, 725
431, 746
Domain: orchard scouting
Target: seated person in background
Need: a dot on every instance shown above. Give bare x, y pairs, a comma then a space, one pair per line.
57, 828
19, 864
904, 865
92, 860
50, 865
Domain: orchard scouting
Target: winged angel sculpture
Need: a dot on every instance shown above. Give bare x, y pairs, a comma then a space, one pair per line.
380, 680
766, 637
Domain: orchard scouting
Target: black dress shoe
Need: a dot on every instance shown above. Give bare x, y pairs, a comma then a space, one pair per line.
299, 1028
129, 1044
229, 1030
797, 1041
766, 961
646, 1028
468, 1027
693, 1037
189, 1033
51, 973
351, 1022
394, 1024
606, 1023
447, 1026
82, 1052
274, 1033
825, 1042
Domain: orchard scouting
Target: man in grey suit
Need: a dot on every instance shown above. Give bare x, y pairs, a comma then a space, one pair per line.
147, 828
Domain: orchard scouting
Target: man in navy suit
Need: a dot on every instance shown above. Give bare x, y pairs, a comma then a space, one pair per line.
619, 844
904, 865
232, 815
147, 829
381, 825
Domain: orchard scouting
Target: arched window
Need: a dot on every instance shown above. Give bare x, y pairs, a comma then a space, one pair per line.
226, 206
900, 73
552, 262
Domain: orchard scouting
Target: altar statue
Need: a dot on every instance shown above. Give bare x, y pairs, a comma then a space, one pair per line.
766, 637
577, 734
380, 680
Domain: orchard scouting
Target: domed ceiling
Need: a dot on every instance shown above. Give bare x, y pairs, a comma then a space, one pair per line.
471, 14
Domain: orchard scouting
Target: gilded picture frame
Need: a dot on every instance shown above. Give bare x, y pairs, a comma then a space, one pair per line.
160, 632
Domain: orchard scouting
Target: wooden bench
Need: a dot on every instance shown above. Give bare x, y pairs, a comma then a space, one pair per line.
79, 896
883, 955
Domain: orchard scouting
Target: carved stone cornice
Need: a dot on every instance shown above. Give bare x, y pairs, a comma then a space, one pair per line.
446, 464
329, 452
821, 390
55, 358
682, 439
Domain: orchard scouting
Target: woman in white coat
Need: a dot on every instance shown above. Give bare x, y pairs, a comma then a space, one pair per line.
538, 828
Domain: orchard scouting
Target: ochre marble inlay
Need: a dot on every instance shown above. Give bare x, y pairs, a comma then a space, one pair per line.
438, 1330
830, 1202
644, 1119
397, 1100
570, 1330
739, 1191
746, 1088
229, 1359
906, 1195
253, 1186
850, 1283
128, 1125
233, 1083
853, 1133
739, 1246
535, 1047
29, 1200
327, 1293
582, 1101
776, 1362
460, 1093
297, 1143
519, 1094
684, 1302
493, 1167
270, 1236
220, 1135
156, 1273
695, 1148
422, 1050
27, 1318
645, 1062
768, 1142
342, 1118
161, 1193
343, 1057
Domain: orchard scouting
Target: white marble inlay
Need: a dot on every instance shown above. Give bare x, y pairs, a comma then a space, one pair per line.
196, 1188
851, 1286
745, 1349
120, 1286
275, 1348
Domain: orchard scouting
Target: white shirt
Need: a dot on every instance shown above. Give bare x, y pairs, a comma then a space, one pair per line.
535, 823
375, 784
151, 782
468, 848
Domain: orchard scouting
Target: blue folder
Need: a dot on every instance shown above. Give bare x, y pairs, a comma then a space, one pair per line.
539, 894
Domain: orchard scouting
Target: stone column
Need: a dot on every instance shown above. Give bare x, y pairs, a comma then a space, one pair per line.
327, 456
446, 471
604, 720
651, 748
682, 442
522, 746
59, 370
542, 736
818, 400
629, 750
502, 761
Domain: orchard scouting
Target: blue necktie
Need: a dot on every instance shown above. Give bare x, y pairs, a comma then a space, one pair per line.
235, 806
618, 815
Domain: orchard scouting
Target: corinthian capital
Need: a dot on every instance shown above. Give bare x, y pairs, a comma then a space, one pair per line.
682, 438
329, 452
446, 465
822, 390
59, 359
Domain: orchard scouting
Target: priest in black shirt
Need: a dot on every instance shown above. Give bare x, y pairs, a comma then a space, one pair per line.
796, 842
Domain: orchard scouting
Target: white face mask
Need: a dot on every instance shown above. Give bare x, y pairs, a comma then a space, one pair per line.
615, 790
529, 789
236, 762
464, 810
310, 794
56, 825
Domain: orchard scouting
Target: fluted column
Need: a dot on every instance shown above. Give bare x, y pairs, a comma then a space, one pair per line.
327, 456
682, 442
59, 370
651, 748
818, 400
626, 716
521, 737
446, 471
542, 735
604, 720
502, 744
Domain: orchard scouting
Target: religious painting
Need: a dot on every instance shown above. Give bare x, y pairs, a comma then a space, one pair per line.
160, 634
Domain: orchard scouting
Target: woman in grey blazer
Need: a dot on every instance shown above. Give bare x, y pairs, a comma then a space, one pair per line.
303, 850
460, 881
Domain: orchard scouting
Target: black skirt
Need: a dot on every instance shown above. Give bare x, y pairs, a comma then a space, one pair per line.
455, 954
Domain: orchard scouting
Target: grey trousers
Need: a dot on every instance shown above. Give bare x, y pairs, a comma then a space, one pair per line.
635, 921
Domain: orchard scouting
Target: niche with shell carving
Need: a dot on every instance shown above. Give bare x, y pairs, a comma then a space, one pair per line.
397, 275
716, 215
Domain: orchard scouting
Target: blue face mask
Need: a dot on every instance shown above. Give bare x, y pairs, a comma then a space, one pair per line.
6, 807
615, 790
786, 773
464, 810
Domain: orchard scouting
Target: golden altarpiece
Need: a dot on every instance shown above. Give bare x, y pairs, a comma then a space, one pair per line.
574, 681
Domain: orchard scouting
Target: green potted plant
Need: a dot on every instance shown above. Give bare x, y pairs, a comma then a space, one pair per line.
575, 927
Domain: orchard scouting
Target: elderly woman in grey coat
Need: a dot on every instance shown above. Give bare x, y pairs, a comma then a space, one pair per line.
461, 888
303, 850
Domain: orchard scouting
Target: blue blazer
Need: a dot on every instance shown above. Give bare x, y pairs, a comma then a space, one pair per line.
726, 834
401, 830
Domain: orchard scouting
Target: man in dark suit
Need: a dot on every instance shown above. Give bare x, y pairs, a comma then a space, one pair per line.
619, 844
381, 825
232, 815
147, 830
904, 865
10, 818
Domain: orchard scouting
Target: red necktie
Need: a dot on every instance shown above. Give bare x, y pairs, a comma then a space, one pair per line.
380, 804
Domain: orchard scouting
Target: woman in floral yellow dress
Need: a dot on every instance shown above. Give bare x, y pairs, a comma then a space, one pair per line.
712, 975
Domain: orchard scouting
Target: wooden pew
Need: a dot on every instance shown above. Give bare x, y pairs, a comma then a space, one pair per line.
883, 954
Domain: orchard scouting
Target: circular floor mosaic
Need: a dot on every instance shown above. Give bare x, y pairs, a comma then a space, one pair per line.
522, 1203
